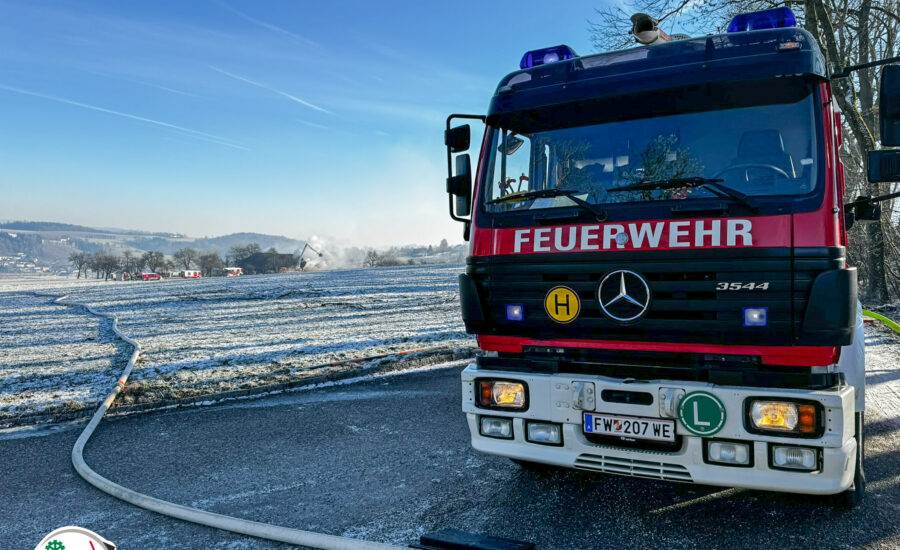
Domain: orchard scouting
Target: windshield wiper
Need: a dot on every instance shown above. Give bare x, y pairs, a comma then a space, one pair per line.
528, 195
601, 215
713, 184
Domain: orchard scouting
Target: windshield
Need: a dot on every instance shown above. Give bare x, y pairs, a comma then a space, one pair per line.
757, 150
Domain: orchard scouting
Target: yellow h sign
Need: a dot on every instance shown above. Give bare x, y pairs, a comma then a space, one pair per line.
562, 304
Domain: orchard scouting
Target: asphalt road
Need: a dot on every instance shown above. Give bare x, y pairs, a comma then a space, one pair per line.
388, 460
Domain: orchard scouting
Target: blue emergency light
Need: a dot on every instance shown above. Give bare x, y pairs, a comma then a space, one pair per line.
547, 55
514, 312
756, 316
775, 18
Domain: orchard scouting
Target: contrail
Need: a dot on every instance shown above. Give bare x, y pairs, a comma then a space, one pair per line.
269, 26
210, 137
271, 89
313, 124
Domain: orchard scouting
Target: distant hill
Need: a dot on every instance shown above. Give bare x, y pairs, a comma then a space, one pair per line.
44, 226
71, 228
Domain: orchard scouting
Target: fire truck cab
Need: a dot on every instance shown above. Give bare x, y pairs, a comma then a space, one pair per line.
657, 273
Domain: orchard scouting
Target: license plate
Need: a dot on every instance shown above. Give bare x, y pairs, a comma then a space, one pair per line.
632, 427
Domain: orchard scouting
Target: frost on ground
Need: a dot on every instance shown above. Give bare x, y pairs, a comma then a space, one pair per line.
53, 359
882, 379
212, 335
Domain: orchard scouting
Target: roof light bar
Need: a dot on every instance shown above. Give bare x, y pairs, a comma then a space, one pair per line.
546, 55
766, 19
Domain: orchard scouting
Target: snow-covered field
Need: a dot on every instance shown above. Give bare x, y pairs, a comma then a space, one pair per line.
206, 336
212, 335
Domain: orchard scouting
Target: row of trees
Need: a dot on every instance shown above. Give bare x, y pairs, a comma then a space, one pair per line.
103, 264
850, 32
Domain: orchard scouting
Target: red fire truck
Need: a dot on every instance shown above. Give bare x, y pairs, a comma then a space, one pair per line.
657, 274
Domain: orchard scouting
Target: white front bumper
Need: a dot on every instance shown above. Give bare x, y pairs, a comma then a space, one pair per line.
551, 400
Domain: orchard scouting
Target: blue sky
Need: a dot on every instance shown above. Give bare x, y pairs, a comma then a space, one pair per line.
210, 117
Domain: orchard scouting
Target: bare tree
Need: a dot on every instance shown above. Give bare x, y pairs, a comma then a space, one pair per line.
239, 253
130, 262
209, 263
185, 257
104, 264
79, 261
153, 260
371, 259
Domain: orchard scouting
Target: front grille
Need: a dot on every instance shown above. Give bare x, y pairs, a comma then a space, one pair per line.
631, 467
685, 307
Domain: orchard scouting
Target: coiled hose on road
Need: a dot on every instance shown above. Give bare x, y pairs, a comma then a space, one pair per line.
186, 513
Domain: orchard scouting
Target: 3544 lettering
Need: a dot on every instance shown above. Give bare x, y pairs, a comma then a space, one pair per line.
742, 286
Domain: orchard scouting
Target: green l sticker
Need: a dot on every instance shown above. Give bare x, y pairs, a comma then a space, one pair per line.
701, 413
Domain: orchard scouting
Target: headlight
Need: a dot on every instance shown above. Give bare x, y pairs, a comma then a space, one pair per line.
786, 417
501, 394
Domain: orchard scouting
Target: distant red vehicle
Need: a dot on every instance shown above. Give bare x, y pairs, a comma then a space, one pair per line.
233, 271
151, 276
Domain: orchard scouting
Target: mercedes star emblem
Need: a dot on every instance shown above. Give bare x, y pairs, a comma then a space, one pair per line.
624, 295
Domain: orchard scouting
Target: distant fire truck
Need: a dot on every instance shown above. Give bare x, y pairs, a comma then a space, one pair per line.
191, 274
233, 271
150, 276
658, 272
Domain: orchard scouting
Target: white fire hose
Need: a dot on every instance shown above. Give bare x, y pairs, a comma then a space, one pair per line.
186, 513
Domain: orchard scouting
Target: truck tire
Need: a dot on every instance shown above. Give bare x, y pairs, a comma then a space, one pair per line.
855, 494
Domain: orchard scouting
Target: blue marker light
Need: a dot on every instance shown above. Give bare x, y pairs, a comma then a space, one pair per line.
514, 312
775, 18
546, 55
756, 316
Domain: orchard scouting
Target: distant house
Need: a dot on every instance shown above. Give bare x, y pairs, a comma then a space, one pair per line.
268, 262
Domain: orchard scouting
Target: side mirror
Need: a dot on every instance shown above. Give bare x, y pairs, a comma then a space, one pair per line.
862, 210
460, 185
867, 212
459, 181
458, 139
884, 165
889, 106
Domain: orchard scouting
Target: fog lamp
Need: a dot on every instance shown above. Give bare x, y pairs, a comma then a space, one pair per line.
756, 316
501, 394
544, 433
501, 428
729, 452
794, 458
